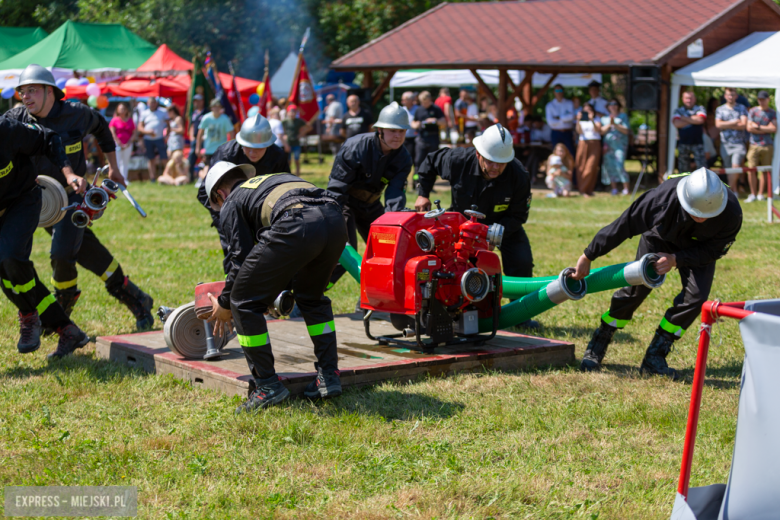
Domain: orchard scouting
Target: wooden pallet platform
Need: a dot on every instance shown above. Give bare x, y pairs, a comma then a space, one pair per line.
361, 361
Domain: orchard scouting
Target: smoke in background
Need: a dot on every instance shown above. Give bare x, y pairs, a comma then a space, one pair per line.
278, 25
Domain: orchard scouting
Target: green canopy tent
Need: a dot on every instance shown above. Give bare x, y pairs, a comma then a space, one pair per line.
85, 46
14, 40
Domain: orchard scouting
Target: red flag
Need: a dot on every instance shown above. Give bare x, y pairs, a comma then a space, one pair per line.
265, 99
302, 92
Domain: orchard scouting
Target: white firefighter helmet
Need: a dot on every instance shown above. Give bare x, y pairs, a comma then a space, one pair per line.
703, 194
495, 144
37, 75
221, 169
256, 133
393, 117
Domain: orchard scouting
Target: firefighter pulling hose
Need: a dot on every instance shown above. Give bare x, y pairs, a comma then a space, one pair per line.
71, 244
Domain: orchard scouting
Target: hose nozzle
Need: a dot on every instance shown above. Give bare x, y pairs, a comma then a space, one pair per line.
566, 287
642, 272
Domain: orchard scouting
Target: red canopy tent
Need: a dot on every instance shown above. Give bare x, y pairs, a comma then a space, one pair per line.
164, 61
172, 82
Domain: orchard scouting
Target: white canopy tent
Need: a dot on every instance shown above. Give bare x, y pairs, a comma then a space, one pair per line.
746, 63
458, 77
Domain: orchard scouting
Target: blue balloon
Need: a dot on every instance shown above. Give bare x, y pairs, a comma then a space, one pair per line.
83, 81
254, 99
61, 82
253, 111
8, 93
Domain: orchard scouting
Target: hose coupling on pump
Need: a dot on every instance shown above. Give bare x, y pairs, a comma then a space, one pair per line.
495, 235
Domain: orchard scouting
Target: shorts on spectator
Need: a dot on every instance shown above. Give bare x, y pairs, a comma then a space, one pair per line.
733, 154
296, 152
155, 147
760, 156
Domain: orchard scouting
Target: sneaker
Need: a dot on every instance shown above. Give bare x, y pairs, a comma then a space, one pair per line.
760, 197
624, 192
71, 338
267, 392
552, 196
199, 183
597, 348
324, 385
615, 191
750, 198
654, 362
30, 333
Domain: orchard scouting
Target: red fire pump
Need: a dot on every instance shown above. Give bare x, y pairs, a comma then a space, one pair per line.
435, 273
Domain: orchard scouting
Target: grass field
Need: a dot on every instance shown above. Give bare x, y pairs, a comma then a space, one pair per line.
552, 444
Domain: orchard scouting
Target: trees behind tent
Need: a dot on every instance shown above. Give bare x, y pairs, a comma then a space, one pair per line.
239, 30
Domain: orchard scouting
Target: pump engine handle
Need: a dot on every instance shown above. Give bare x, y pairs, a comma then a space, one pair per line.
435, 213
472, 213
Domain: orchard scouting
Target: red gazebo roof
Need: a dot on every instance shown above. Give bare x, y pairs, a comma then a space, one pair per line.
559, 34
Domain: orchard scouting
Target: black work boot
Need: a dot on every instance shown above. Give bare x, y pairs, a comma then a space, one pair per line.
597, 348
71, 338
30, 333
139, 303
324, 385
67, 299
267, 392
654, 362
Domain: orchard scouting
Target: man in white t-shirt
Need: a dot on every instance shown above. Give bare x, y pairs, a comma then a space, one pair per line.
560, 116
152, 126
334, 113
277, 127
598, 103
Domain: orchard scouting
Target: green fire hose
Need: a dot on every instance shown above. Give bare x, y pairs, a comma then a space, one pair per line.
351, 260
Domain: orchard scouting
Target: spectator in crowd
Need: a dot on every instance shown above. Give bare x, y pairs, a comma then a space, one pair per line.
560, 165
409, 103
137, 108
123, 130
577, 104
709, 124
598, 103
689, 120
614, 131
444, 102
540, 131
588, 150
357, 120
294, 129
215, 129
731, 119
761, 124
197, 115
467, 115
175, 130
177, 170
427, 119
334, 113
277, 128
559, 113
282, 104
152, 125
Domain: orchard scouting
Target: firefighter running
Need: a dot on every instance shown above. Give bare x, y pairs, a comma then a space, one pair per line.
690, 221
20, 209
300, 235
364, 167
493, 180
44, 106
253, 145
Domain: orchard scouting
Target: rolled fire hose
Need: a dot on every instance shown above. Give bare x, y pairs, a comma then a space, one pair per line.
185, 334
561, 289
54, 199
